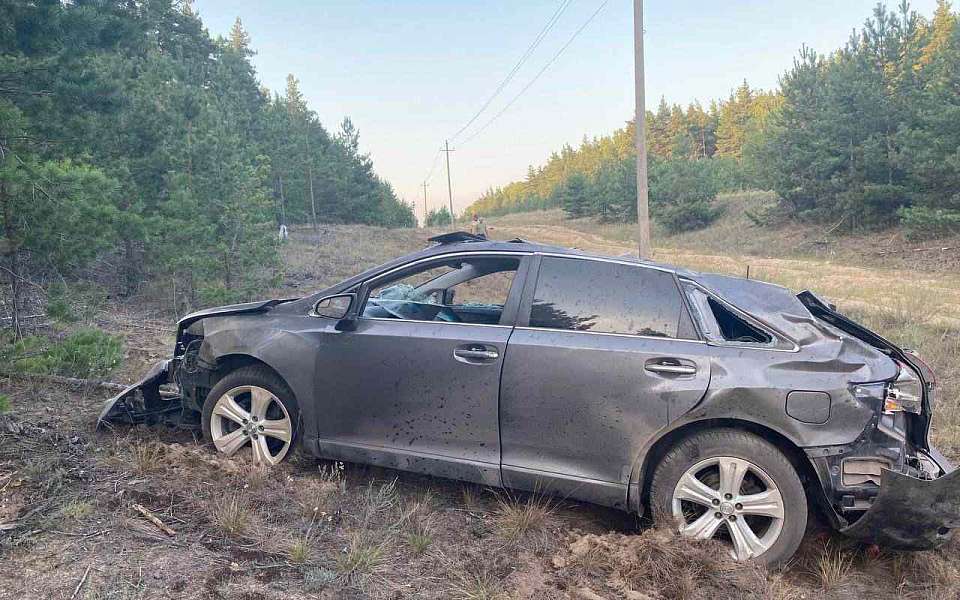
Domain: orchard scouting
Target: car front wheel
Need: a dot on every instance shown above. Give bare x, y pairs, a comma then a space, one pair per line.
736, 487
251, 410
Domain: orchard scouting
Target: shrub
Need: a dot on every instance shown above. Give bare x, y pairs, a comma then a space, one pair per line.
873, 206
86, 353
921, 221
4, 403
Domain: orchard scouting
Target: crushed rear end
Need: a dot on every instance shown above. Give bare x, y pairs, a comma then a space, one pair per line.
889, 487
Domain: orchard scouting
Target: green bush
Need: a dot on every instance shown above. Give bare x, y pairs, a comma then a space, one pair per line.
682, 194
872, 206
923, 222
4, 403
86, 353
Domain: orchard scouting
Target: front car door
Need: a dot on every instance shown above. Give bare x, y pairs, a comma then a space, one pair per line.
415, 386
604, 355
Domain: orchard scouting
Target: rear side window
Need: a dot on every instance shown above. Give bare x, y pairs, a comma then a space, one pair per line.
604, 297
722, 324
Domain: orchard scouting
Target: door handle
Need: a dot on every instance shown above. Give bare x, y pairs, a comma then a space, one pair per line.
475, 354
671, 369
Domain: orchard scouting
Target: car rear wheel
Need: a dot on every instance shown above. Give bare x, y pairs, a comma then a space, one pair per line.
736, 487
251, 410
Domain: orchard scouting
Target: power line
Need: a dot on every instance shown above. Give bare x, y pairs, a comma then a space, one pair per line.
523, 59
433, 165
539, 73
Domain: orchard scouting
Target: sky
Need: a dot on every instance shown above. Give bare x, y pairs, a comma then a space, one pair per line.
412, 73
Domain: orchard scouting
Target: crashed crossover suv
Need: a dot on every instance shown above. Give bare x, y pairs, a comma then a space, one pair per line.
721, 404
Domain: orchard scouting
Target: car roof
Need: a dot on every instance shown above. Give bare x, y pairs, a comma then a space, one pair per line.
524, 246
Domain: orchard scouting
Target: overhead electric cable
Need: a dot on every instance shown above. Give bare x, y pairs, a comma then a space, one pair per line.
523, 59
539, 73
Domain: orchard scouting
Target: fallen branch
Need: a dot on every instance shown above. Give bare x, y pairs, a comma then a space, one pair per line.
153, 519
109, 385
935, 249
83, 580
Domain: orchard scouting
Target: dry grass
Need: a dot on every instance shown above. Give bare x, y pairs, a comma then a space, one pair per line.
416, 524
232, 514
521, 517
77, 510
832, 567
300, 549
299, 531
147, 456
659, 560
477, 583
361, 557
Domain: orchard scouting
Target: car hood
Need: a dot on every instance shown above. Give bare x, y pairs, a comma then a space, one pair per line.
230, 309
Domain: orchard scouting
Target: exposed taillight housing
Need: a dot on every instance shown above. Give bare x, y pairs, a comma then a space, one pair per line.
901, 394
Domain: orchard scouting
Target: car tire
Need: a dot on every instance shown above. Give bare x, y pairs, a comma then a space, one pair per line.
769, 484
252, 408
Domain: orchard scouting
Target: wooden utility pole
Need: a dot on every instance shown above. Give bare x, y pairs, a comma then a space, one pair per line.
449, 184
313, 200
283, 202
424, 203
643, 204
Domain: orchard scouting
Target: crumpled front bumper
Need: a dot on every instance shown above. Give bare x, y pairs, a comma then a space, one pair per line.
144, 401
911, 513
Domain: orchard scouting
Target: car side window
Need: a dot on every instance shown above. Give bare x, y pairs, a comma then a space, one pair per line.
492, 288
605, 297
461, 290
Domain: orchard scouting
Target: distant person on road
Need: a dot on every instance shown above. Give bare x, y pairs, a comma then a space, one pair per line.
478, 227
283, 235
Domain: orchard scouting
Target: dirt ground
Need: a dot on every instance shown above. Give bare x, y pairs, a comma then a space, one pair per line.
315, 529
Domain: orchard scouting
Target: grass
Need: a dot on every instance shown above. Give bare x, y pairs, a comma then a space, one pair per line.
4, 403
361, 557
832, 567
77, 510
476, 584
232, 514
147, 456
415, 522
300, 549
517, 518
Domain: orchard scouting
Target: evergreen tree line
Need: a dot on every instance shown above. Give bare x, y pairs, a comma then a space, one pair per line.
126, 132
865, 137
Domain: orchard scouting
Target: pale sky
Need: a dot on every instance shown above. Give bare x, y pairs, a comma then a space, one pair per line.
412, 73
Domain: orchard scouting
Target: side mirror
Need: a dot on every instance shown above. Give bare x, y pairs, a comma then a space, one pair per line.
334, 307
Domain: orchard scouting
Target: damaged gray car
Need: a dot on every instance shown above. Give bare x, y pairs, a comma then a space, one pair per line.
725, 405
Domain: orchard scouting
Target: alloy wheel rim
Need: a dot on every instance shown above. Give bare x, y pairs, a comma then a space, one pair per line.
731, 499
252, 416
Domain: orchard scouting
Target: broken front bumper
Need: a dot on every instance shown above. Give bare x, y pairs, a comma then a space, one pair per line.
144, 401
911, 513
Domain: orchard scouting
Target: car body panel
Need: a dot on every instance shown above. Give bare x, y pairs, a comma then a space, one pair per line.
396, 384
392, 393
577, 406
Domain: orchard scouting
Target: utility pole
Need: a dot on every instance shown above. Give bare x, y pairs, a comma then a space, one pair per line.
449, 185
424, 203
643, 203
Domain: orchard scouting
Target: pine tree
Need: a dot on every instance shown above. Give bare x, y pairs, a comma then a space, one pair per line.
239, 38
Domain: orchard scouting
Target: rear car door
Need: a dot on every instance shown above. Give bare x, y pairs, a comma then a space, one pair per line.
415, 385
604, 355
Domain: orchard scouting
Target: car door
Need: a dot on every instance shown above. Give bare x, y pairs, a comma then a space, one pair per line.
414, 386
604, 355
